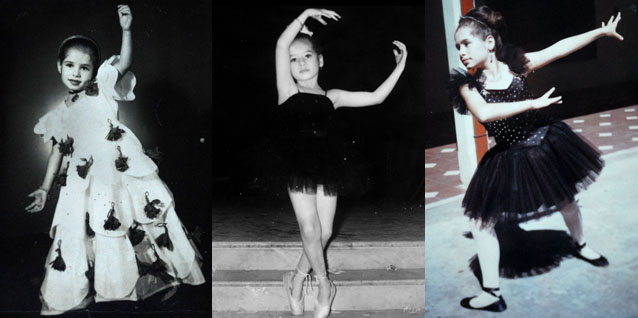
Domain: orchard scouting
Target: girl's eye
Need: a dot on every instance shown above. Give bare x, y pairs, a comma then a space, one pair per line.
293, 59
84, 68
308, 55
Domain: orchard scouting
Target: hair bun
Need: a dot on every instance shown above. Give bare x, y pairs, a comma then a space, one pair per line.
492, 18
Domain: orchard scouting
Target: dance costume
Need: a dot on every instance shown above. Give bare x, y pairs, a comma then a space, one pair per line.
538, 164
116, 235
314, 151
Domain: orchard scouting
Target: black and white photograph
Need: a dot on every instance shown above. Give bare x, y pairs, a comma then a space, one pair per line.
106, 164
318, 161
530, 161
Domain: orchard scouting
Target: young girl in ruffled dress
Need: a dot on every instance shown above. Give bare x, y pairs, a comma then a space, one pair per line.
538, 164
116, 235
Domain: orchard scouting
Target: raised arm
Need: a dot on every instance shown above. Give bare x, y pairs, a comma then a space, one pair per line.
343, 98
126, 51
569, 45
285, 83
487, 112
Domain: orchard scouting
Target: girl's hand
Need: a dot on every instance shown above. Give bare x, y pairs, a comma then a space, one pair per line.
545, 100
40, 199
124, 12
401, 54
609, 29
319, 14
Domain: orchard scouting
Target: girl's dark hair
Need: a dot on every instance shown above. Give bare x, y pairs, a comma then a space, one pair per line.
82, 43
313, 42
484, 22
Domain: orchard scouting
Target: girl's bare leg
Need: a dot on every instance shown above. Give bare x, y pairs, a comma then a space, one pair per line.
326, 208
306, 209
488, 252
574, 221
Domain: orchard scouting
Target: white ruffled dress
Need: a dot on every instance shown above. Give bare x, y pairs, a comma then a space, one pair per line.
116, 235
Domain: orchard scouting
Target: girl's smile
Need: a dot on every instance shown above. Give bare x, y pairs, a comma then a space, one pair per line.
76, 71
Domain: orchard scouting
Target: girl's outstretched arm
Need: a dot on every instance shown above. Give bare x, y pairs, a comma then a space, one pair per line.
126, 52
343, 98
286, 86
569, 45
40, 195
486, 112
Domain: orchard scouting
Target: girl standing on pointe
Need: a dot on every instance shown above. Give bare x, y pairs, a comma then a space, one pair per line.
116, 235
538, 164
316, 162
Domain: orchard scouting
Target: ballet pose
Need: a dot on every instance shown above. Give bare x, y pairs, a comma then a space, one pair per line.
316, 162
538, 164
116, 235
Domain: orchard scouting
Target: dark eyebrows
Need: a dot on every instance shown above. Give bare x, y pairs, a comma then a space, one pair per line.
81, 65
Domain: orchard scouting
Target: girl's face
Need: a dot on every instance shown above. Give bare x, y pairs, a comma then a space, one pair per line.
76, 71
304, 61
473, 51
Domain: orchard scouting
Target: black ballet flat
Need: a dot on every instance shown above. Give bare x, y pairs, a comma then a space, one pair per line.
497, 306
599, 262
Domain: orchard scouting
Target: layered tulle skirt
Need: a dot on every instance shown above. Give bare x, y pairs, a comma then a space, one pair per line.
533, 178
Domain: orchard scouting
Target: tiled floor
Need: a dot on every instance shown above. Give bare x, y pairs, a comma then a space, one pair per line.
609, 131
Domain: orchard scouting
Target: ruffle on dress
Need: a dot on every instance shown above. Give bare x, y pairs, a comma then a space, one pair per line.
511, 55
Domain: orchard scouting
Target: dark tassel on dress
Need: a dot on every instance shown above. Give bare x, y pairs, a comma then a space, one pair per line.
135, 234
60, 178
115, 133
83, 170
58, 263
121, 162
164, 240
89, 231
151, 209
142, 268
159, 268
112, 223
155, 154
90, 273
66, 146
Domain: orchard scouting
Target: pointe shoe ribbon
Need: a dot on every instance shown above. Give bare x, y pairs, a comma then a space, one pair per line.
296, 306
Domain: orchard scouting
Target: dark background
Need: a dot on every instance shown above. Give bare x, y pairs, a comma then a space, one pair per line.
358, 56
172, 110
601, 76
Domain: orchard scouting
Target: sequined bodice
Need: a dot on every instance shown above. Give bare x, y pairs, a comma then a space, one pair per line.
518, 128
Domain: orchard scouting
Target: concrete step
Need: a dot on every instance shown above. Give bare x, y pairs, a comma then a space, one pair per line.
333, 314
368, 289
340, 255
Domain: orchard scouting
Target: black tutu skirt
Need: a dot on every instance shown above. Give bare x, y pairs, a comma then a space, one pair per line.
526, 181
329, 161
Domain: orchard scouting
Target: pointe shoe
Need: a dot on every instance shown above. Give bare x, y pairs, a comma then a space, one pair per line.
497, 306
323, 311
599, 262
296, 306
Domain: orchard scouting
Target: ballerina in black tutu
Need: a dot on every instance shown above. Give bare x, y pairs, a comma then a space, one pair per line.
538, 164
316, 162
